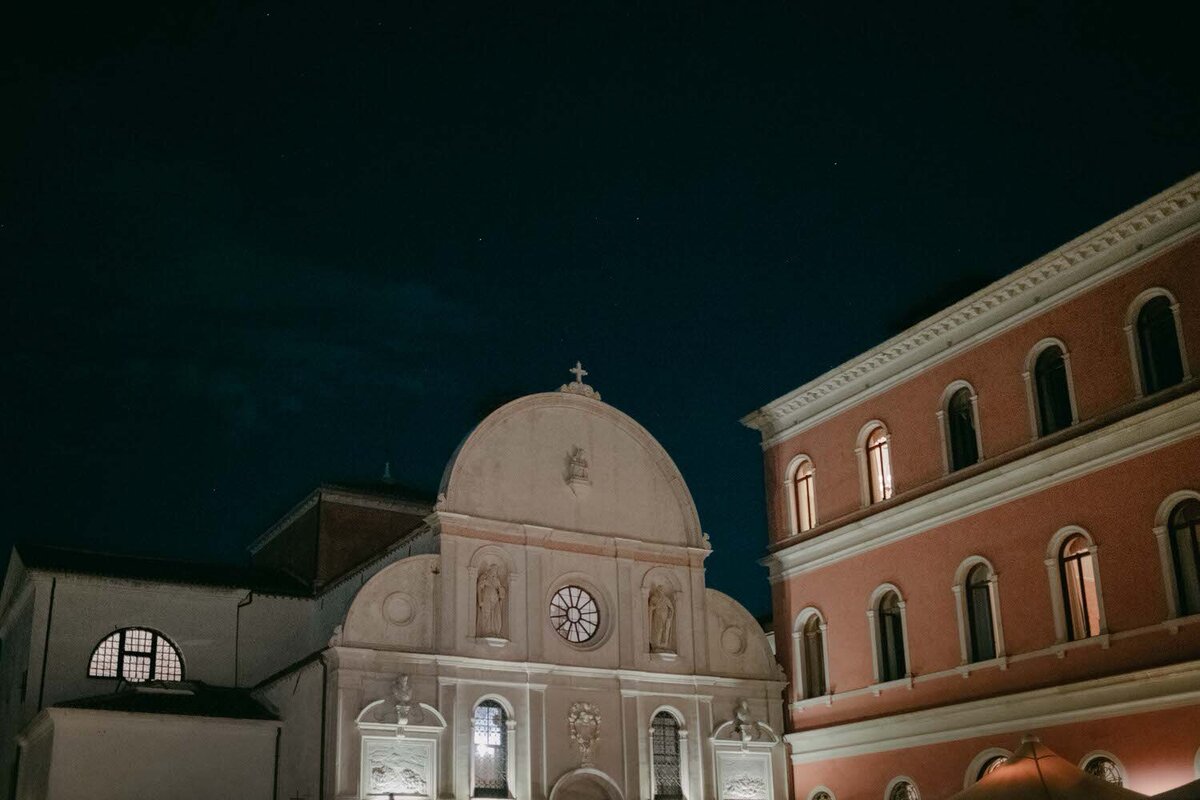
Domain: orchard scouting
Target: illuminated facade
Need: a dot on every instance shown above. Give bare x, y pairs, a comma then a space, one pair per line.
542, 630
987, 526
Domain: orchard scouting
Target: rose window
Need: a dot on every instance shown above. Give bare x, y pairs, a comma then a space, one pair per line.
574, 614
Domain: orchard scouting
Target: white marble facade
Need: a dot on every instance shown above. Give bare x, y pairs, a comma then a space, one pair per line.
555, 500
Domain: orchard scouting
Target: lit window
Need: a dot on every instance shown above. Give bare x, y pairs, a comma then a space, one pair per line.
665, 758
1105, 769
1052, 393
1185, 554
960, 425
980, 627
890, 622
1080, 599
1158, 345
812, 658
879, 465
903, 790
806, 509
136, 655
490, 750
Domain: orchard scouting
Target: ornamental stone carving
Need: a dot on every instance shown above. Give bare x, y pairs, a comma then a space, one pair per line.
491, 597
583, 722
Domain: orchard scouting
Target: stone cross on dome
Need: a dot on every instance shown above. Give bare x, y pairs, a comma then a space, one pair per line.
577, 386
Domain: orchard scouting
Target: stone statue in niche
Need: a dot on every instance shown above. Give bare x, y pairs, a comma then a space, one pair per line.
402, 694
490, 597
662, 620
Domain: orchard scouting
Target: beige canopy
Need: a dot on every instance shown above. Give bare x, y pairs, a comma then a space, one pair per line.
1035, 772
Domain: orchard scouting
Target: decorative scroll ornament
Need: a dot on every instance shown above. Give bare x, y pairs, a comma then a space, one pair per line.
584, 723
577, 386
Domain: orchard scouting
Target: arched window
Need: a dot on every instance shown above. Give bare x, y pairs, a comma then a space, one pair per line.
804, 506
962, 436
878, 465
1104, 768
1052, 391
902, 789
810, 654
821, 794
1081, 602
665, 757
1160, 361
990, 766
981, 627
136, 655
890, 643
489, 753
1184, 532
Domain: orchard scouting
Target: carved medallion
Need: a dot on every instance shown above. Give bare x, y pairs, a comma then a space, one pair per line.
584, 724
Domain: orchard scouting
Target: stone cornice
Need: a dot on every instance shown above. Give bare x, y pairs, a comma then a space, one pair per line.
1157, 427
1173, 686
1109, 249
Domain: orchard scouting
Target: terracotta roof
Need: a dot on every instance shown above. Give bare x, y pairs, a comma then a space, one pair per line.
176, 698
159, 570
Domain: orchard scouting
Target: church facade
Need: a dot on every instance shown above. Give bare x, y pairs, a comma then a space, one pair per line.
989, 526
541, 630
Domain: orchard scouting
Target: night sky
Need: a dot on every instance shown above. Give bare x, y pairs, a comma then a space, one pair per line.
251, 247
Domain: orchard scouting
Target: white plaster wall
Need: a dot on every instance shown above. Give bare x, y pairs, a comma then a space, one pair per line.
16, 709
111, 756
199, 621
296, 700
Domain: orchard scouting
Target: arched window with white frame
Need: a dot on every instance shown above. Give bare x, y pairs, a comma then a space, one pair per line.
874, 453
136, 655
810, 655
667, 755
1050, 388
887, 617
901, 788
1177, 528
976, 589
1072, 564
958, 420
1105, 766
985, 764
491, 750
802, 498
1154, 330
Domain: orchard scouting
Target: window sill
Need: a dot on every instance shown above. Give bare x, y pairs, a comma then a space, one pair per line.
1175, 623
900, 683
812, 702
1060, 650
965, 670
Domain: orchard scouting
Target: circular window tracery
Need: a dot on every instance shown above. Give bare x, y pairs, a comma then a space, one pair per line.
574, 614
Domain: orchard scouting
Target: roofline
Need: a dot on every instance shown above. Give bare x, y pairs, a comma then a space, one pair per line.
1119, 244
339, 494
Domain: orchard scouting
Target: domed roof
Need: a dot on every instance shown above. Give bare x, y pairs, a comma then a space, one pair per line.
568, 461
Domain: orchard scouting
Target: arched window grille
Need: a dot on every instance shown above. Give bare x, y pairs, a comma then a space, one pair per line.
1052, 392
1081, 602
981, 628
821, 795
665, 757
136, 655
960, 425
1160, 359
903, 790
489, 750
812, 651
1105, 769
893, 664
804, 498
990, 766
879, 465
1184, 529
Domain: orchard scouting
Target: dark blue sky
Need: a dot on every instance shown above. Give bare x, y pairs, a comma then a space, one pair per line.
252, 246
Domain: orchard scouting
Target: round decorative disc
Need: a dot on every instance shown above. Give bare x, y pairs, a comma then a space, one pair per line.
574, 614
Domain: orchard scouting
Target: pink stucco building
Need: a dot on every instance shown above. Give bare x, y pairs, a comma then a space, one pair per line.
987, 526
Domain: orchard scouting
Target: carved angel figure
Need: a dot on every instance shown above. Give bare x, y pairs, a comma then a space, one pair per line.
662, 619
491, 595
